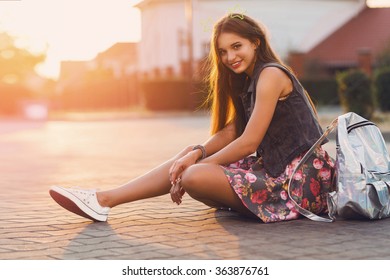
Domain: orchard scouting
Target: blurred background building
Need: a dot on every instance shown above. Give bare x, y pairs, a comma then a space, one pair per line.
295, 26
107, 81
317, 38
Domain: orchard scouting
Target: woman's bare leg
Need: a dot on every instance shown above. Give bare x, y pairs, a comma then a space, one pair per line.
154, 183
208, 183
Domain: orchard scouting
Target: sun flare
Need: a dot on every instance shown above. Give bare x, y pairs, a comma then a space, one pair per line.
69, 29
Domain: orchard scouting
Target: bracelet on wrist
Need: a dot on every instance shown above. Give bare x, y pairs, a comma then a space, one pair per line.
202, 149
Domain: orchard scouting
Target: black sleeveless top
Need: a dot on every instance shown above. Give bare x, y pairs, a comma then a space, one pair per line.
293, 129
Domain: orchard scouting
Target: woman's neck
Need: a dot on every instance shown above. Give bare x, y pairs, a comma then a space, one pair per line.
251, 68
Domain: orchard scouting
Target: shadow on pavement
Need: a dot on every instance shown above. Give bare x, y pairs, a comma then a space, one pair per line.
305, 239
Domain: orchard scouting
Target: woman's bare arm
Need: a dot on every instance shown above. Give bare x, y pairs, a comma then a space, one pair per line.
273, 83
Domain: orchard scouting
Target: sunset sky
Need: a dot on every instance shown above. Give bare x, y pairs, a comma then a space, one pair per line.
69, 29
74, 29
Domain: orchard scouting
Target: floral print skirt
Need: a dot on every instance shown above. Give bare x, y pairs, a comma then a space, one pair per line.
267, 196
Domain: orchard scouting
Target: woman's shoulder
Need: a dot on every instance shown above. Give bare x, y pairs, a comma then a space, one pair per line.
276, 68
273, 70
276, 77
274, 73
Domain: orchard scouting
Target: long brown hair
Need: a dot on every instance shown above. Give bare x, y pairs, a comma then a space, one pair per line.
225, 86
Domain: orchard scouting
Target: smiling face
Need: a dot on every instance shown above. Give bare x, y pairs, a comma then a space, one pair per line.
237, 53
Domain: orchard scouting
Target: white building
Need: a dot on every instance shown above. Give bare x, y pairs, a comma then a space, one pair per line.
294, 25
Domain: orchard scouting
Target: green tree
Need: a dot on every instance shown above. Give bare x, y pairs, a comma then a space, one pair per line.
382, 87
16, 64
382, 78
355, 92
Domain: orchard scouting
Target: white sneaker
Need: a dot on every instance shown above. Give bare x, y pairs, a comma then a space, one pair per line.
81, 202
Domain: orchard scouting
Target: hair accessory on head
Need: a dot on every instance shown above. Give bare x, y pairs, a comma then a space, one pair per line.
237, 12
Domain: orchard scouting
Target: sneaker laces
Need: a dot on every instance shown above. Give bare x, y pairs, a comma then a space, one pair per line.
88, 193
82, 190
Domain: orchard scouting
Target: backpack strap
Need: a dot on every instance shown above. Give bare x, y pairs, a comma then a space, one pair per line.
301, 210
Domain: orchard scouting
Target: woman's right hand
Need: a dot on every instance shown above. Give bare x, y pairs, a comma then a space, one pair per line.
175, 173
177, 192
182, 164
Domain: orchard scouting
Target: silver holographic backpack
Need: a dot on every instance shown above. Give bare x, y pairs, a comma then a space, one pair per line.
362, 171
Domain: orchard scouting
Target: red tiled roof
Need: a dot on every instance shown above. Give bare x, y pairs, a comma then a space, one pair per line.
370, 29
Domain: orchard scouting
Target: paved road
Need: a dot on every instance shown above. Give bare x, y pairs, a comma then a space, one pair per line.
104, 154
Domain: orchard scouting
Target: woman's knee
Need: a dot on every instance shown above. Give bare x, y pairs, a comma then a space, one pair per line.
201, 177
191, 179
196, 180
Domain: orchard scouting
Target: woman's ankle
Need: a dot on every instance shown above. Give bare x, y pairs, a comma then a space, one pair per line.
103, 200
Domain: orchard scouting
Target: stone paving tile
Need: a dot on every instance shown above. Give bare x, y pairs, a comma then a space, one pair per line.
94, 254
16, 241
35, 227
41, 254
143, 256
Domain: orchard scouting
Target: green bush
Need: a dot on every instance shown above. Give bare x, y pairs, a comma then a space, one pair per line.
322, 91
172, 94
383, 57
354, 88
382, 88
